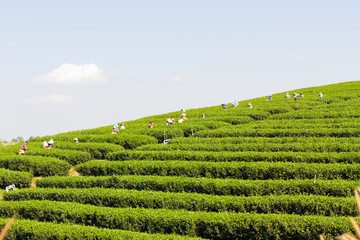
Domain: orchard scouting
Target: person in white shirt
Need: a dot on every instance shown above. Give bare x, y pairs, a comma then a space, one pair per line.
51, 143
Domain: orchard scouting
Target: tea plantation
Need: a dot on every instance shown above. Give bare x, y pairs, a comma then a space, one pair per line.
283, 169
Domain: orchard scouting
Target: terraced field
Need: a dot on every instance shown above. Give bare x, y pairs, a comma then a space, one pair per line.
284, 169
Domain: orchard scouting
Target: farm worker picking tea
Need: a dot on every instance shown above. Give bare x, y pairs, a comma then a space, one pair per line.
183, 116
249, 105
235, 104
269, 97
224, 106
51, 143
45, 145
203, 116
321, 95
23, 148
76, 140
170, 121
151, 125
115, 129
182, 119
287, 95
122, 126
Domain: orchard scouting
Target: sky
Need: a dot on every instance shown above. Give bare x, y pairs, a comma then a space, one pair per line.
71, 65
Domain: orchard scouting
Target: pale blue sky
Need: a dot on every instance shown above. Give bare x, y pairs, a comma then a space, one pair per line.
159, 56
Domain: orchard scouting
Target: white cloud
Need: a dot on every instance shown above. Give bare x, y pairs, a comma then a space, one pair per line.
299, 57
180, 79
72, 74
130, 75
65, 99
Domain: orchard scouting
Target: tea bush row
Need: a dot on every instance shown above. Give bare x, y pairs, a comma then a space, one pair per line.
308, 157
311, 132
128, 141
336, 188
20, 179
300, 123
97, 150
119, 198
37, 165
238, 170
259, 147
305, 114
28, 229
201, 224
71, 156
267, 140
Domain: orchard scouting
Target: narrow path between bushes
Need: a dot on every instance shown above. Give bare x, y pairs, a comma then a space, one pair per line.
33, 182
73, 172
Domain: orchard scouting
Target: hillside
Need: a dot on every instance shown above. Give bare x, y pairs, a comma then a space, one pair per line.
283, 169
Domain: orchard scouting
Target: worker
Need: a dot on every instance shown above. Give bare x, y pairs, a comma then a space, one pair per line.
250, 106
296, 98
287, 95
122, 126
224, 106
51, 143
203, 116
45, 145
269, 97
76, 140
321, 95
115, 129
235, 104
151, 125
183, 117
301, 94
23, 148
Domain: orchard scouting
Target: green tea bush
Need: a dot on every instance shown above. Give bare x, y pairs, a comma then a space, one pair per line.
306, 157
119, 198
20, 179
97, 150
313, 132
234, 120
27, 229
37, 165
336, 188
71, 156
128, 141
259, 147
316, 114
344, 142
201, 224
239, 170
